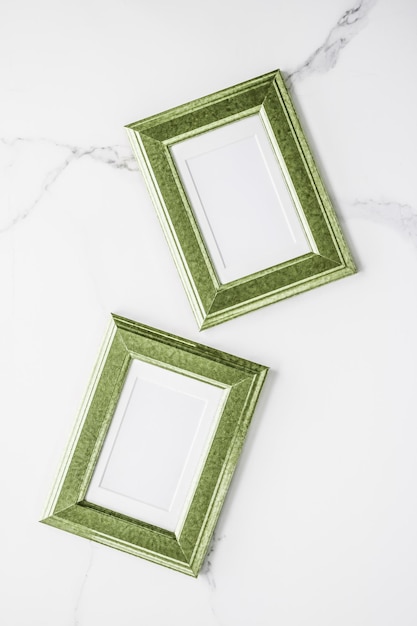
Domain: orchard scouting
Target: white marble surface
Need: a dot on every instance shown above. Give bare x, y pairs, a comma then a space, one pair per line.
319, 526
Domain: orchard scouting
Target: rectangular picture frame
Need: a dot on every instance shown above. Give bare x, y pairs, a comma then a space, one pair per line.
187, 204
166, 521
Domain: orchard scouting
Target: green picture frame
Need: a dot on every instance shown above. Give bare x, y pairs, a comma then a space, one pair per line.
214, 300
238, 381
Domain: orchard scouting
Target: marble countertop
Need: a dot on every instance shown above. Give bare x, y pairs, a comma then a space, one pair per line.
318, 528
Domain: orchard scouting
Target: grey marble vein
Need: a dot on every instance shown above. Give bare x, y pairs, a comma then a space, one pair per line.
326, 56
83, 584
207, 567
401, 217
120, 157
117, 156
207, 571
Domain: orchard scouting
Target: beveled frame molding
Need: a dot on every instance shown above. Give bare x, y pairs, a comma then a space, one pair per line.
185, 548
213, 302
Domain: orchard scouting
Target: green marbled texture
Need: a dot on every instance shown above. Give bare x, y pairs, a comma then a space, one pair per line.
67, 508
211, 301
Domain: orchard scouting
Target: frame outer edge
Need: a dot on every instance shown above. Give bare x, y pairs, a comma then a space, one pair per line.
228, 471
50, 506
215, 97
169, 232
311, 166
